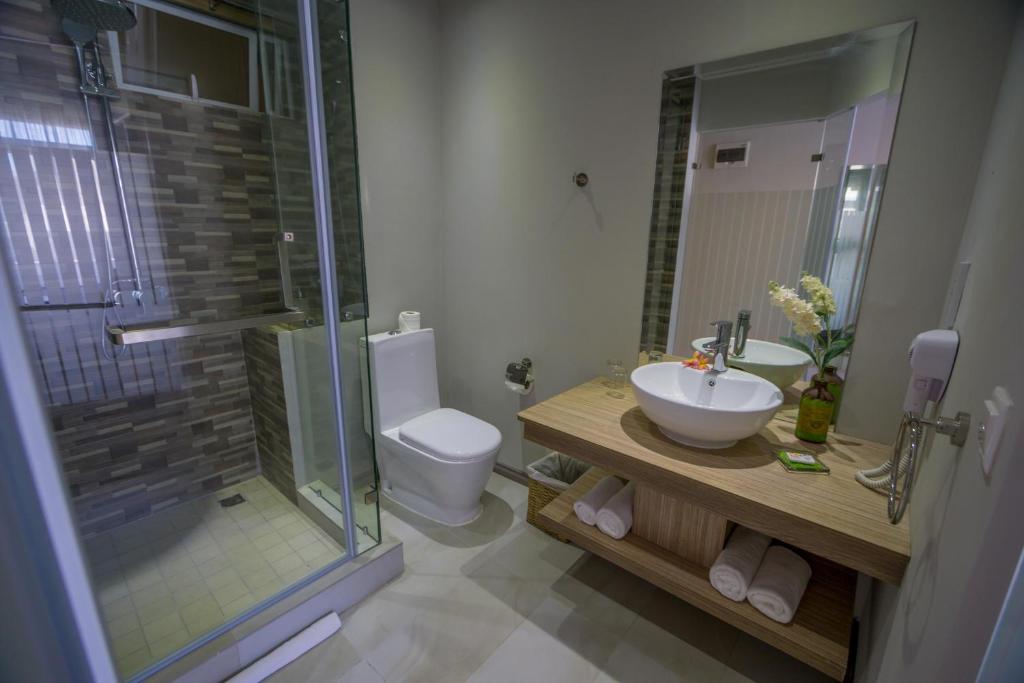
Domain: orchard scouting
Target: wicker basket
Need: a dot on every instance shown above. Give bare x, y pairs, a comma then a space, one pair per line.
539, 496
541, 493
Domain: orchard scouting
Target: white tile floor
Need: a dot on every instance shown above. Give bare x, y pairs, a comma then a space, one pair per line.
500, 601
165, 580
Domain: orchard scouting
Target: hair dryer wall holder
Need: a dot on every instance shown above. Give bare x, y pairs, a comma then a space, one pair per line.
913, 430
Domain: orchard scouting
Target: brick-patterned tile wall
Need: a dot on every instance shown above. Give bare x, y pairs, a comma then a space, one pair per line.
269, 411
165, 421
667, 211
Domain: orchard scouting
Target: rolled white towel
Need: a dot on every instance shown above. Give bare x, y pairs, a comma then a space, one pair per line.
616, 517
593, 500
779, 584
737, 564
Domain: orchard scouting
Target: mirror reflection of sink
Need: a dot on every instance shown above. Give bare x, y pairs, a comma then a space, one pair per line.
688, 409
781, 365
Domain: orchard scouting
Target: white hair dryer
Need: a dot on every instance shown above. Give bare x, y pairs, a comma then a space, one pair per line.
932, 355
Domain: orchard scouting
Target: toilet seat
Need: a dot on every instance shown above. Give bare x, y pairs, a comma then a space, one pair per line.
451, 435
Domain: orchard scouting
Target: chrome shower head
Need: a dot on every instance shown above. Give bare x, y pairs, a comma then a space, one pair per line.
104, 15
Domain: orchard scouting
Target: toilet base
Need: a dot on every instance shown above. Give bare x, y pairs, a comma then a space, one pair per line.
428, 510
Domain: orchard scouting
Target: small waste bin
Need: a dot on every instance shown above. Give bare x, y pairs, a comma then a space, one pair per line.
550, 477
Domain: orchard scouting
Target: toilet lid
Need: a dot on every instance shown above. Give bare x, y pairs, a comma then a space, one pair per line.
451, 435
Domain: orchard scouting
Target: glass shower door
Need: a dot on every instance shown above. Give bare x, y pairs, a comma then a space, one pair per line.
323, 208
207, 400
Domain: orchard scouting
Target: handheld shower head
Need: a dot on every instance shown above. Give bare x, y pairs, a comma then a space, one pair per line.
104, 15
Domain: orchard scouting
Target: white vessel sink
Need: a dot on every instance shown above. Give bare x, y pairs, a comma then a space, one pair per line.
781, 365
686, 409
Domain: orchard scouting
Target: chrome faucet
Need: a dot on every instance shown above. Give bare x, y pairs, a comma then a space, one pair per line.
742, 332
720, 347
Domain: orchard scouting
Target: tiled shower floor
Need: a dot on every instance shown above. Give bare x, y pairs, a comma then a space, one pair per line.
165, 580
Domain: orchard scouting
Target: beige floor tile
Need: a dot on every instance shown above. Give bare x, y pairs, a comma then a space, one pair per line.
274, 513
438, 630
532, 654
202, 616
287, 564
592, 639
184, 578
118, 608
361, 673
236, 541
285, 519
260, 577
163, 627
122, 625
298, 526
136, 661
222, 578
270, 588
142, 579
171, 567
267, 541
170, 643
295, 575
300, 540
278, 551
648, 654
230, 592
204, 553
259, 531
157, 609
213, 565
186, 595
150, 594
312, 550
112, 588
239, 605
127, 643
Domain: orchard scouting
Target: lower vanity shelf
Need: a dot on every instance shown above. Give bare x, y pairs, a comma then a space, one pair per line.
819, 634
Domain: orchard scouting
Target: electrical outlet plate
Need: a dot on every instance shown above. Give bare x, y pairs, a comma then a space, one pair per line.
990, 431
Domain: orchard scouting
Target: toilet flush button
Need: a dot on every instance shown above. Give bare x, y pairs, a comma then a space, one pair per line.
990, 431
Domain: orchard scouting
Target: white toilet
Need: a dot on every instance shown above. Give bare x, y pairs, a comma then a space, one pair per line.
434, 461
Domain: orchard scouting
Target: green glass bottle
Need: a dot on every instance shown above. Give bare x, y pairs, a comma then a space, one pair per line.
835, 387
815, 415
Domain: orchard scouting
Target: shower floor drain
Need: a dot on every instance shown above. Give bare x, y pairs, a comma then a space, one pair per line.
232, 500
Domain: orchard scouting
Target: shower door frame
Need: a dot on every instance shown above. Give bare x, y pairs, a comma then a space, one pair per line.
309, 39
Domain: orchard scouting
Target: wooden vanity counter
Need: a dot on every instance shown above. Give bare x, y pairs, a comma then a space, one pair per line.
834, 522
830, 515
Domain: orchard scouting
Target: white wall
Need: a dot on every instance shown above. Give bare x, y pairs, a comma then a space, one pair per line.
534, 90
966, 527
397, 82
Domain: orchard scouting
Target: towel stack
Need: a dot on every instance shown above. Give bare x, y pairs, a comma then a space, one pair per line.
773, 579
609, 506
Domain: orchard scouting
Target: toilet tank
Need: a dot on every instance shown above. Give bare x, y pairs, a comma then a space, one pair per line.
403, 368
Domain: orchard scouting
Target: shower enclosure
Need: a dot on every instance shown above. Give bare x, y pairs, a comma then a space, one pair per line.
179, 210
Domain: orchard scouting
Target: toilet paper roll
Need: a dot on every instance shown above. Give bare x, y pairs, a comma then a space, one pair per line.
409, 321
519, 388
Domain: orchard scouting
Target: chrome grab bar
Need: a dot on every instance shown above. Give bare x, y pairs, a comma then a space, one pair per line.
122, 336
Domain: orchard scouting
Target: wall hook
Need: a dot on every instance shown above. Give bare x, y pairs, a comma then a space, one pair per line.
580, 179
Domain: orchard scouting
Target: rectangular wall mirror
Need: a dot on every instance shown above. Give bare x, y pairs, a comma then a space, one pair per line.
769, 165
